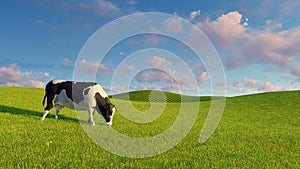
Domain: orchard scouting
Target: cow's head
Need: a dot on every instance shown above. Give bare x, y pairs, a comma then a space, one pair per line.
106, 109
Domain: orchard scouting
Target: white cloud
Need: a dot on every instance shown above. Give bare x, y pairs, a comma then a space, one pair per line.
132, 2
141, 87
42, 75
164, 76
240, 90
174, 24
194, 14
273, 25
67, 62
291, 88
92, 67
102, 8
107, 5
162, 71
246, 22
115, 89
46, 74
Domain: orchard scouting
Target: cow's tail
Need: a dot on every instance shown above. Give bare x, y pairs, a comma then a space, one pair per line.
44, 99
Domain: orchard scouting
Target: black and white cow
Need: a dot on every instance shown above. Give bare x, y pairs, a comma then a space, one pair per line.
80, 96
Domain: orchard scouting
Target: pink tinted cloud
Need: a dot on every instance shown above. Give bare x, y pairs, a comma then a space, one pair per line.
35, 83
270, 47
265, 87
293, 41
296, 71
154, 75
125, 68
194, 14
159, 63
248, 85
202, 77
46, 74
225, 30
162, 71
243, 45
250, 82
13, 76
268, 86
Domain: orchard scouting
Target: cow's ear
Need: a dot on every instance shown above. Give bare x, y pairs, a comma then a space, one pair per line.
107, 100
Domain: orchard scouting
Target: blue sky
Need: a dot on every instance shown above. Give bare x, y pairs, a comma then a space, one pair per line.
257, 42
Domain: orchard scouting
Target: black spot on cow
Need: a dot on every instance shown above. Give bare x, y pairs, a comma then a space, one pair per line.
86, 91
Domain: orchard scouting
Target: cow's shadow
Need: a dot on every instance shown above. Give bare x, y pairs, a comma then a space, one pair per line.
31, 113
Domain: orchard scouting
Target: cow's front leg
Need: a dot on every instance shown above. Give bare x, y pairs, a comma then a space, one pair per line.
57, 109
49, 106
90, 115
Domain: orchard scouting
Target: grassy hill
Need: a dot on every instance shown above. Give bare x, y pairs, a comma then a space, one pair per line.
157, 96
256, 131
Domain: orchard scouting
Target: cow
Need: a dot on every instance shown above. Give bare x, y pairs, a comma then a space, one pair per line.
88, 96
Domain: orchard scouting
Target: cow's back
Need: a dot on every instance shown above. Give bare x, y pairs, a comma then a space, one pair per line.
68, 93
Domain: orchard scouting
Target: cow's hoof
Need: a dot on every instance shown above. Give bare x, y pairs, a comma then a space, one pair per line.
91, 122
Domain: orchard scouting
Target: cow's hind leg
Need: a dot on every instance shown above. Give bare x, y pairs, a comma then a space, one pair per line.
45, 114
49, 106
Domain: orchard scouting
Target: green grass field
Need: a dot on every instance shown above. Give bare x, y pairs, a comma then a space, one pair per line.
256, 131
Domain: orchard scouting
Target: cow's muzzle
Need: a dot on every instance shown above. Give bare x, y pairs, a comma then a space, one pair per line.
108, 123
